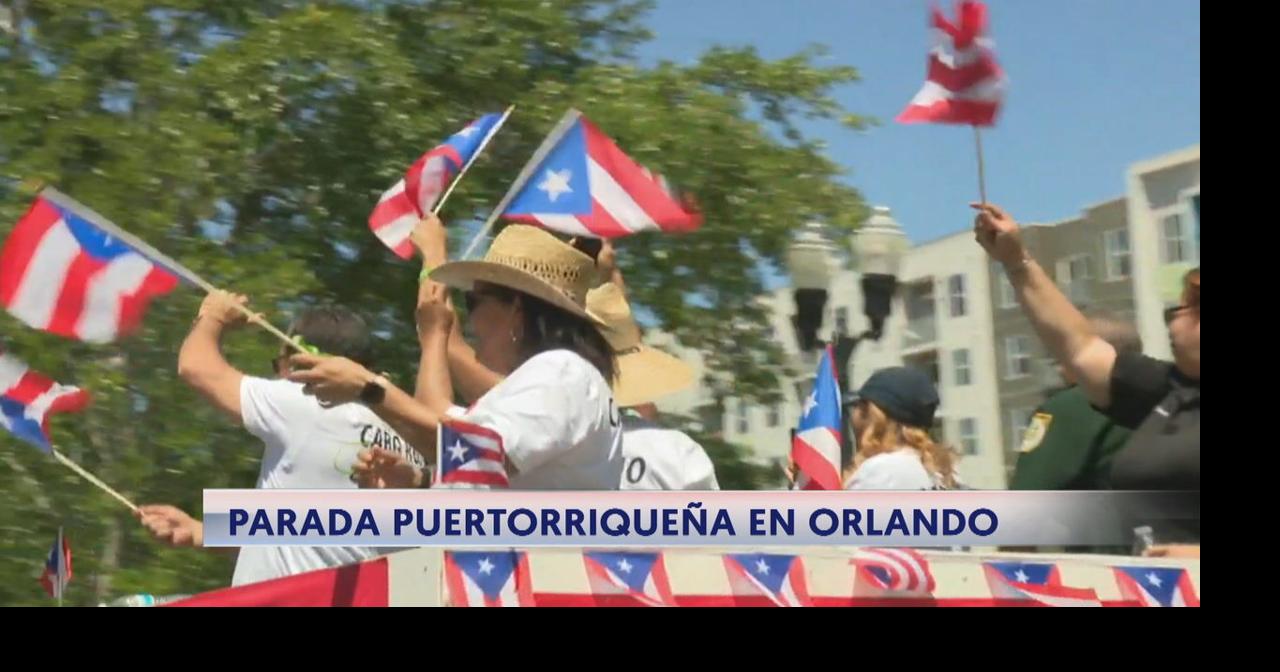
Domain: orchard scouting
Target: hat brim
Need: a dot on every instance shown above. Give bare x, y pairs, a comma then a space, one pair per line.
464, 274
647, 374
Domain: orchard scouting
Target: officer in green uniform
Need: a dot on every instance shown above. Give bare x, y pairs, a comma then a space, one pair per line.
1068, 445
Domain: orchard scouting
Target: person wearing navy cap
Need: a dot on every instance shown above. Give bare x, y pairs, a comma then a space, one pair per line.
890, 417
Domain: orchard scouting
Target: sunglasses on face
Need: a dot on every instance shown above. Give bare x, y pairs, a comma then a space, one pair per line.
474, 298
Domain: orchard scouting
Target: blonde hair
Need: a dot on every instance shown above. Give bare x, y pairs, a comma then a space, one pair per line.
883, 434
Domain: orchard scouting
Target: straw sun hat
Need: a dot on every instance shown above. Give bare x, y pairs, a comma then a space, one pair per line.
645, 374
531, 261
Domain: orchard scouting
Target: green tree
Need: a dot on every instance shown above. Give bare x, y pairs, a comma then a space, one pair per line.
250, 139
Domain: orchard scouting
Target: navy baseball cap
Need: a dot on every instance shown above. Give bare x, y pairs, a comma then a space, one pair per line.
903, 393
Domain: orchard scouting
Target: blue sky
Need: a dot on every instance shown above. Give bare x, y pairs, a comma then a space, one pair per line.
1095, 85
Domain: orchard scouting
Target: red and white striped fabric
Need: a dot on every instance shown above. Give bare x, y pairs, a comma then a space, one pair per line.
587, 186
470, 456
393, 219
893, 570
815, 448
965, 84
488, 579
61, 273
28, 398
411, 198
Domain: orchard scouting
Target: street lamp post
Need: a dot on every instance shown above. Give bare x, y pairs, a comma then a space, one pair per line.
878, 248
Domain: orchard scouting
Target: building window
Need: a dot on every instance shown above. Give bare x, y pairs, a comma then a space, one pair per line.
1118, 261
1176, 244
969, 436
775, 415
1195, 219
743, 425
1075, 269
1008, 298
960, 363
1019, 420
955, 289
1017, 356
842, 320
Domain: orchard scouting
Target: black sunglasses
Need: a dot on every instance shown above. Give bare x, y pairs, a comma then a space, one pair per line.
473, 298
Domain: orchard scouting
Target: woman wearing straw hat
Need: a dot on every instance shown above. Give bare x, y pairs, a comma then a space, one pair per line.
553, 411
657, 458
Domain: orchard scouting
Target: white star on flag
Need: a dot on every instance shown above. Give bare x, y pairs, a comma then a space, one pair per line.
486, 567
1153, 579
810, 403
624, 566
458, 452
468, 131
1020, 577
555, 183
762, 567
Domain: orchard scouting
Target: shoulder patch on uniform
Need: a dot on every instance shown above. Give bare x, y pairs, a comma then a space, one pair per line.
1036, 430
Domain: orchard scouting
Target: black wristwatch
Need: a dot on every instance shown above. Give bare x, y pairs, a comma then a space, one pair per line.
374, 391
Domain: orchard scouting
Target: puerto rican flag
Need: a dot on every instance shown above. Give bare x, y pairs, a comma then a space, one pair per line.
965, 84
777, 577
28, 398
470, 455
61, 273
642, 576
1037, 582
815, 448
1157, 586
410, 199
57, 567
488, 579
586, 186
901, 571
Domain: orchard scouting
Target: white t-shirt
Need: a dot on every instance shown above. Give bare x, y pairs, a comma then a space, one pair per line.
307, 446
898, 470
658, 458
558, 423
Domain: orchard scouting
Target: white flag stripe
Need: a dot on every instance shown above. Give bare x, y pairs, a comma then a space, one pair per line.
36, 297
567, 224
482, 441
474, 595
762, 588
398, 230
122, 276
990, 91
39, 406
12, 370
823, 441
1062, 601
951, 57
488, 466
616, 201
910, 567
396, 188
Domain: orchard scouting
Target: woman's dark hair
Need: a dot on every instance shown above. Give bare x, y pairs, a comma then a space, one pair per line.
547, 327
335, 331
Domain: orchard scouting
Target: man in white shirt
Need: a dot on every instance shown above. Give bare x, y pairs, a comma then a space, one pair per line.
306, 445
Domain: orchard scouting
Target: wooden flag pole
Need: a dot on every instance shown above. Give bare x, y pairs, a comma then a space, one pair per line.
479, 150
545, 148
982, 169
94, 480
